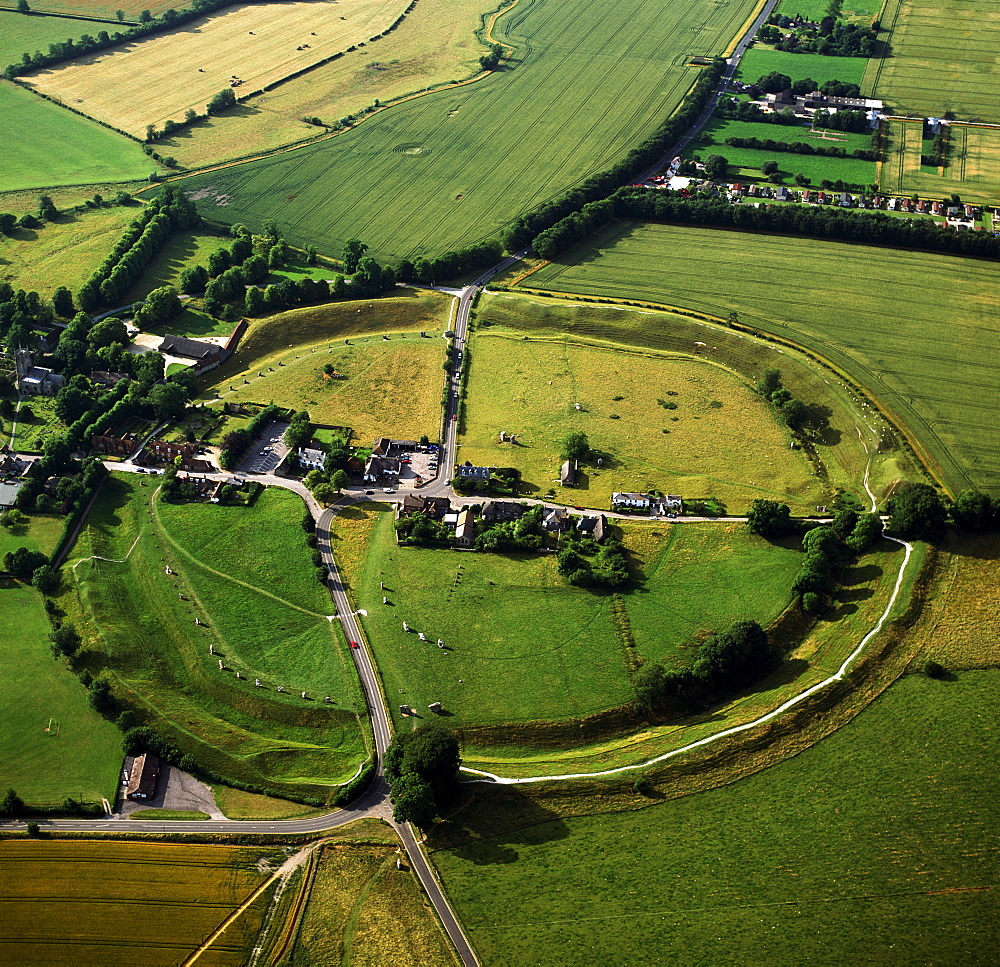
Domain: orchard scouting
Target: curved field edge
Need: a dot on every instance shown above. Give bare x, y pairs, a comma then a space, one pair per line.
292, 748
915, 331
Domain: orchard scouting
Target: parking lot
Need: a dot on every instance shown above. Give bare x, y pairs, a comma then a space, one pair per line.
266, 453
422, 463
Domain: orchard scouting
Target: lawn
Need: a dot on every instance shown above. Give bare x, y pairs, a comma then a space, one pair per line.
522, 645
973, 169
243, 574
64, 148
182, 250
20, 34
392, 386
712, 140
53, 744
362, 910
160, 77
880, 838
941, 58
660, 339
73, 902
658, 421
920, 331
585, 83
34, 430
64, 252
434, 44
760, 60
39, 532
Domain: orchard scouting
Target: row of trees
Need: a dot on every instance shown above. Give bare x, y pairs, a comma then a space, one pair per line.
799, 147
775, 82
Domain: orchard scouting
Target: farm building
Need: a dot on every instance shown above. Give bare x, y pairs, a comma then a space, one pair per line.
143, 777
567, 474
465, 532
189, 348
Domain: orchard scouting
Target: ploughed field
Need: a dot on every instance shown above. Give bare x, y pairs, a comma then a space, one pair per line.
919, 331
584, 83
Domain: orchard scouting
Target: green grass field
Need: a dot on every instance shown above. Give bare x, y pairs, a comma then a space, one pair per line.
843, 453
942, 58
973, 169
63, 252
40, 532
760, 60
523, 645
245, 575
712, 140
660, 421
615, 72
53, 744
918, 330
878, 838
20, 34
86, 151
72, 901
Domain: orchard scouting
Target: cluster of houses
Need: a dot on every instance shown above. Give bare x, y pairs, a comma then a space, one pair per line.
12, 469
665, 505
154, 453
806, 105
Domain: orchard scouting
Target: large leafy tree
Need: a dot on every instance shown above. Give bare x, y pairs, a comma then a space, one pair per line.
917, 513
769, 518
422, 770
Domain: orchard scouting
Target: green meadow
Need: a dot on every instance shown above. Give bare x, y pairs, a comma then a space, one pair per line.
39, 532
443, 170
879, 838
759, 60
241, 583
53, 744
521, 644
86, 151
918, 330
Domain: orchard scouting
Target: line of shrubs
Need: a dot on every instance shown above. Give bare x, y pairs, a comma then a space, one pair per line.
801, 147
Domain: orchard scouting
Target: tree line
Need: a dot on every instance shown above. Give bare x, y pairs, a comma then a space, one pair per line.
801, 147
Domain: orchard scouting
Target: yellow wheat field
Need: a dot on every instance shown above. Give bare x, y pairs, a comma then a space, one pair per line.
162, 77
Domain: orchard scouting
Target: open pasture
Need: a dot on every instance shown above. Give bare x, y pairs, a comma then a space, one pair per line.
86, 151
941, 57
393, 386
53, 744
659, 422
244, 574
585, 82
673, 337
712, 140
103, 8
433, 45
523, 645
63, 252
39, 532
880, 837
920, 331
160, 77
21, 34
760, 60
77, 902
973, 169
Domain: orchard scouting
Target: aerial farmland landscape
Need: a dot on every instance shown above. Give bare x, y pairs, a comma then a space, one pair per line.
497, 482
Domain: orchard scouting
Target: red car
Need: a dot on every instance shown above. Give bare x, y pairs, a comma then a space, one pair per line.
354, 644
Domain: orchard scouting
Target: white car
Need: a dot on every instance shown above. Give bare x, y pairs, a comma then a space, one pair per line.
388, 490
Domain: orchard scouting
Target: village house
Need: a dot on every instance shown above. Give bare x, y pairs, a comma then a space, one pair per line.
436, 508
379, 468
567, 475
465, 531
142, 779
557, 520
596, 528
623, 501
467, 472
501, 511
311, 459
114, 446
8, 493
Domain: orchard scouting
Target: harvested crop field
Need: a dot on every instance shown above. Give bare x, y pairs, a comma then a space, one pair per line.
160, 77
68, 903
943, 57
973, 169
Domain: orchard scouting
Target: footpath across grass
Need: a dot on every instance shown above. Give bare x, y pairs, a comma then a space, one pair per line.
880, 838
52, 744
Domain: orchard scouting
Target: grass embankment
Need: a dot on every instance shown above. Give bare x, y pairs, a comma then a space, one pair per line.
168, 814
919, 331
362, 910
522, 645
86, 151
655, 421
761, 60
937, 59
450, 156
746, 162
841, 453
392, 386
878, 838
53, 744
62, 252
81, 902
237, 804
160, 77
973, 169
39, 532
432, 47
244, 574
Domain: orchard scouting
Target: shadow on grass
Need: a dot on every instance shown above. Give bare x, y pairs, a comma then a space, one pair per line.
498, 819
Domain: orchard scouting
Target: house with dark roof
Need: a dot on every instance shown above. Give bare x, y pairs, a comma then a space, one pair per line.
473, 474
501, 511
465, 531
190, 348
382, 468
596, 528
567, 475
142, 778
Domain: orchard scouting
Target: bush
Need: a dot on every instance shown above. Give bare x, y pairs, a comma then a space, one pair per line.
933, 669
